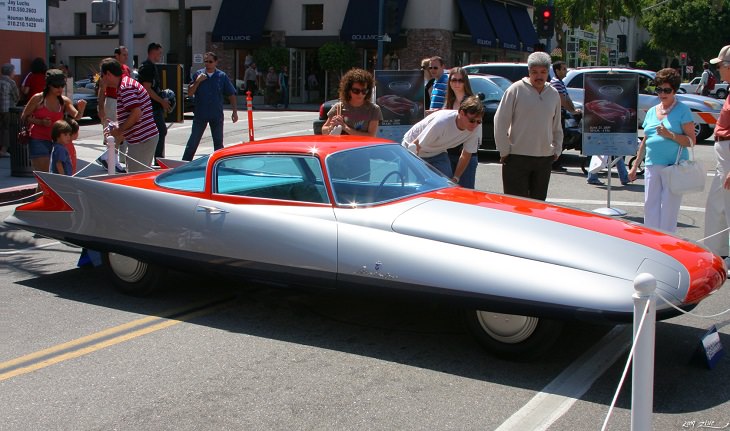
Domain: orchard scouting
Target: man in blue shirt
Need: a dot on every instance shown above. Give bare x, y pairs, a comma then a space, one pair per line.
209, 86
440, 86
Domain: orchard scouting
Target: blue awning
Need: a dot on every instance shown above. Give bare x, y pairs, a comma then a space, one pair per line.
241, 21
476, 18
499, 17
525, 29
361, 21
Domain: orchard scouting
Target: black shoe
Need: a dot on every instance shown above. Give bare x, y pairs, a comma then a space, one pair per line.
119, 169
102, 162
560, 168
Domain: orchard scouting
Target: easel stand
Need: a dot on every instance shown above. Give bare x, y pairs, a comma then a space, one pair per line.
608, 210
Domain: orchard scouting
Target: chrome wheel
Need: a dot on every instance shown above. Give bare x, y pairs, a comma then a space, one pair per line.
126, 268
512, 336
507, 328
132, 276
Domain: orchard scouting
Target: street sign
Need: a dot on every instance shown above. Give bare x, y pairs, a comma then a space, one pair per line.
592, 51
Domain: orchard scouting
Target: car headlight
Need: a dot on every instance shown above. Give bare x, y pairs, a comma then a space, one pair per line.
712, 105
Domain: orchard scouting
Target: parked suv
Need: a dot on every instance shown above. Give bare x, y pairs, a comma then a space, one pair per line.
574, 83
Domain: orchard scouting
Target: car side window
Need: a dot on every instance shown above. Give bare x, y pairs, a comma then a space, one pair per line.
280, 177
576, 82
189, 177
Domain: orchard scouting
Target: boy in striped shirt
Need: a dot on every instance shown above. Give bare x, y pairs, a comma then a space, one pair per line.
136, 124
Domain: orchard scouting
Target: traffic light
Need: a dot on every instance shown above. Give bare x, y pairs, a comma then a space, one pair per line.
682, 58
545, 21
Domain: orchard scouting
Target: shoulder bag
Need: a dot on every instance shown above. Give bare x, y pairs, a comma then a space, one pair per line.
686, 176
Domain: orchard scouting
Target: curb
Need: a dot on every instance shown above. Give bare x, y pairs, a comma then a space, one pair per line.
11, 194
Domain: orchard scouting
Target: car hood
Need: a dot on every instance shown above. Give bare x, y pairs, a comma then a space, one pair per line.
552, 234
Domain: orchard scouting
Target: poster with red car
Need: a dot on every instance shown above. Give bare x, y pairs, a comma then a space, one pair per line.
399, 93
610, 104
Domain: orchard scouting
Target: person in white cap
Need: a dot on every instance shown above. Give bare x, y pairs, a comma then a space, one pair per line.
717, 208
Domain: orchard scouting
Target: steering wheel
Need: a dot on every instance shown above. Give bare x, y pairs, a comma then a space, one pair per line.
385, 178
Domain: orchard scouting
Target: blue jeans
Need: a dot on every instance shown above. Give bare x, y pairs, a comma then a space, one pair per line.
469, 176
159, 115
199, 125
623, 173
441, 162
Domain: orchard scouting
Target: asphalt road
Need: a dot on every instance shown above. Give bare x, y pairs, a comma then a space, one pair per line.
209, 354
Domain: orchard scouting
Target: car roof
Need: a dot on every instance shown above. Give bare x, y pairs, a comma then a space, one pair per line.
322, 145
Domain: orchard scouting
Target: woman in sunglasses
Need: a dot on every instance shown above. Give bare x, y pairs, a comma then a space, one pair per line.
668, 129
44, 109
459, 89
355, 113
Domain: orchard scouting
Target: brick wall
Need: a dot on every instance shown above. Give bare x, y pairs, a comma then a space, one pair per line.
424, 43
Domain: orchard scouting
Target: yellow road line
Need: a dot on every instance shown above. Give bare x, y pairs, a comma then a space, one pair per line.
125, 336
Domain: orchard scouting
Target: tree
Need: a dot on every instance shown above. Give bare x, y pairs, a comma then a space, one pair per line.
692, 26
336, 57
583, 13
275, 56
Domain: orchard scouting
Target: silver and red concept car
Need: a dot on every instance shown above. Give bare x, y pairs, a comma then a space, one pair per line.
353, 213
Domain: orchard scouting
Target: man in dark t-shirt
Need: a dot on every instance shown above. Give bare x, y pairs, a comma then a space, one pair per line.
150, 80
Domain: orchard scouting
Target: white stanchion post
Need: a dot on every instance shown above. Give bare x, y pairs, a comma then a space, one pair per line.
111, 155
642, 379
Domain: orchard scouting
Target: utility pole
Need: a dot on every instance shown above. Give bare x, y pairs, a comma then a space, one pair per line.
182, 44
126, 28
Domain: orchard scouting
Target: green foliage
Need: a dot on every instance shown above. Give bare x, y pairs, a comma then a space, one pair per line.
641, 64
651, 58
692, 26
336, 56
276, 56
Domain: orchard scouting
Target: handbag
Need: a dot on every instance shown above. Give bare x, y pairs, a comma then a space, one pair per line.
23, 134
686, 176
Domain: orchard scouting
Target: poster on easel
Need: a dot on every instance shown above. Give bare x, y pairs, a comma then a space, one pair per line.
399, 93
610, 105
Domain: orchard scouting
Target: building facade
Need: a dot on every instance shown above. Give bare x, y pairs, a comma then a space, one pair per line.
460, 31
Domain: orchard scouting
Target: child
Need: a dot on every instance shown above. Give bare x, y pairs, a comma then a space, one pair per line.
70, 147
60, 159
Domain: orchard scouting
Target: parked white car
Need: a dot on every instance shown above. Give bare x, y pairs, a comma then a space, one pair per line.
720, 90
706, 110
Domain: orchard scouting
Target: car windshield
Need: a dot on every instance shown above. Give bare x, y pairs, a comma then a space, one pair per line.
491, 90
189, 177
381, 173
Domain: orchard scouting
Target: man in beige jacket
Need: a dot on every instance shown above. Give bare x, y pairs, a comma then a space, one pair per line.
528, 131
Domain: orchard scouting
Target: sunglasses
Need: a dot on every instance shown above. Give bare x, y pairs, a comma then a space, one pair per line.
433, 67
665, 90
459, 80
474, 120
209, 61
359, 90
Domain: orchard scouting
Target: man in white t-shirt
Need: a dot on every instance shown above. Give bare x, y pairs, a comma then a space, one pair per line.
431, 137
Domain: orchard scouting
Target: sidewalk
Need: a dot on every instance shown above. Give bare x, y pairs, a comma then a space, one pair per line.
14, 188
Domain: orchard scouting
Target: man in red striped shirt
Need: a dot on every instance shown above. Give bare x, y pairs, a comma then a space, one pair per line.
136, 124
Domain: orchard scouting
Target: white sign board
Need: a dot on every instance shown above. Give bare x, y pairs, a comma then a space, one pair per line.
23, 15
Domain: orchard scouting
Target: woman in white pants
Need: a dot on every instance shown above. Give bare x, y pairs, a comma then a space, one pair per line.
668, 129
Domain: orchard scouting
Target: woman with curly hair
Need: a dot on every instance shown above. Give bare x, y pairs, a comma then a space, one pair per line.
355, 113
668, 130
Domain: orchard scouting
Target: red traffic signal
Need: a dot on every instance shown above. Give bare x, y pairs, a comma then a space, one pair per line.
545, 22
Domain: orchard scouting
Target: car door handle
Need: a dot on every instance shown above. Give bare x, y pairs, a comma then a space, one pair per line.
211, 210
